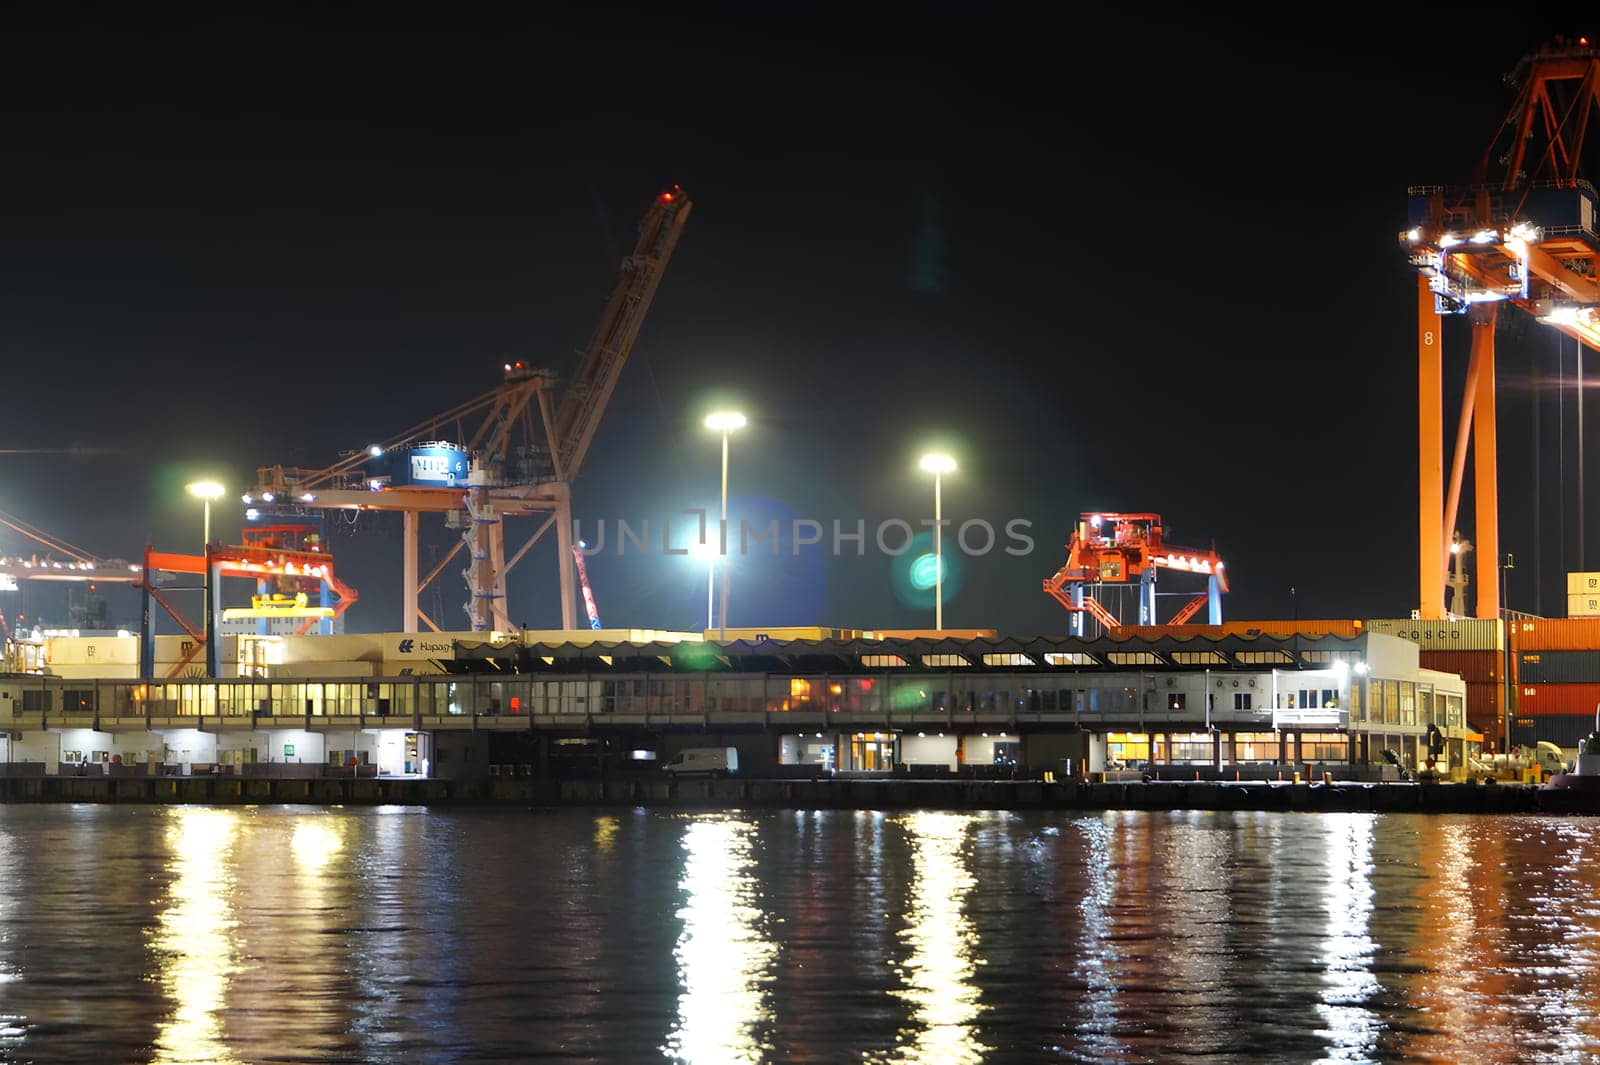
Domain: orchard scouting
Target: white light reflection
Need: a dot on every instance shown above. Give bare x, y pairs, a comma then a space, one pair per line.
725, 960
315, 842
938, 971
1346, 951
193, 939
1099, 961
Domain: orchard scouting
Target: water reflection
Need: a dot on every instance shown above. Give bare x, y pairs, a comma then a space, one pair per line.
194, 936
1347, 949
937, 976
1099, 963
725, 960
316, 840
605, 833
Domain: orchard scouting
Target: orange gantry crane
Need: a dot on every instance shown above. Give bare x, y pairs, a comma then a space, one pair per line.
1525, 232
513, 451
1119, 549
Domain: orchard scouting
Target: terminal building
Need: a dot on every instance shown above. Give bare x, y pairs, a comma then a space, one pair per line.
827, 701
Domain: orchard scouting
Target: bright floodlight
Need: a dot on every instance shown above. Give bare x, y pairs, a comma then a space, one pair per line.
376, 450
703, 551
205, 489
724, 421
937, 462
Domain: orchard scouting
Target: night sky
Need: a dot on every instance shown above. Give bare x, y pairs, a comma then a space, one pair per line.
1140, 265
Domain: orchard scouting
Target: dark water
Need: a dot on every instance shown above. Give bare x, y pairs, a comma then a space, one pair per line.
273, 934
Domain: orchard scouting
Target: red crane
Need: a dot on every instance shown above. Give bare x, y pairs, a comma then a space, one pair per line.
1122, 548
1526, 231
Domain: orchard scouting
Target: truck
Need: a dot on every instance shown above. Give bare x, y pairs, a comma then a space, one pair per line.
710, 761
1530, 765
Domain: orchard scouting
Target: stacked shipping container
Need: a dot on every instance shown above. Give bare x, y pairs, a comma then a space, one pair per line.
1557, 674
1471, 648
1583, 595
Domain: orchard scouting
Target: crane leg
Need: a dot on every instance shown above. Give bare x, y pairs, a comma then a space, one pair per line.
1214, 600
1075, 626
1430, 454
1486, 469
1147, 597
497, 562
569, 617
408, 569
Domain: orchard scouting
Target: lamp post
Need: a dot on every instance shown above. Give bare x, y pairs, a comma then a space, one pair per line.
708, 554
938, 464
206, 491
724, 422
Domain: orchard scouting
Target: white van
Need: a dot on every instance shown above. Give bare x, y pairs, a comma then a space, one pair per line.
716, 761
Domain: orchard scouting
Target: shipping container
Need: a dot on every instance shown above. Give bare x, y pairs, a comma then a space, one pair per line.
1558, 667
1336, 627
1556, 634
1471, 666
1538, 699
1484, 706
1565, 731
1586, 605
1463, 634
1583, 584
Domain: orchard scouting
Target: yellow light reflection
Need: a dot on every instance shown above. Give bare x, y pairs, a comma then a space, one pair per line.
193, 938
605, 833
937, 974
724, 957
316, 841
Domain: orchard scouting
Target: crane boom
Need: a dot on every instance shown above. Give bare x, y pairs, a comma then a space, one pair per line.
510, 452
586, 395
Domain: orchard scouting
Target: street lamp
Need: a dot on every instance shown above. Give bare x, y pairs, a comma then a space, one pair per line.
707, 554
724, 422
938, 464
206, 491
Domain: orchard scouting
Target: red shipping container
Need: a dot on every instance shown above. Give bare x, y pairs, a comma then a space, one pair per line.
1471, 666
1556, 634
1547, 699
1485, 703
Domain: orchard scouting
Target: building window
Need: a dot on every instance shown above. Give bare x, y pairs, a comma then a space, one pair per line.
941, 661
1330, 698
1003, 659
886, 661
1128, 748
1358, 712
1324, 747
1255, 747
1408, 703
1192, 747
1241, 700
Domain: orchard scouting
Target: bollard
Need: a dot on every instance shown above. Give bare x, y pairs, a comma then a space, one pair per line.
1327, 777
1236, 776
1296, 776
1280, 776
1197, 776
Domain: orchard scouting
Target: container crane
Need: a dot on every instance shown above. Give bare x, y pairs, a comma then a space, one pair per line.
512, 451
1121, 548
61, 561
1525, 232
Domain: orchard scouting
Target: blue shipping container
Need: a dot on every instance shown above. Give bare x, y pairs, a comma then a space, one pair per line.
1563, 730
1558, 667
